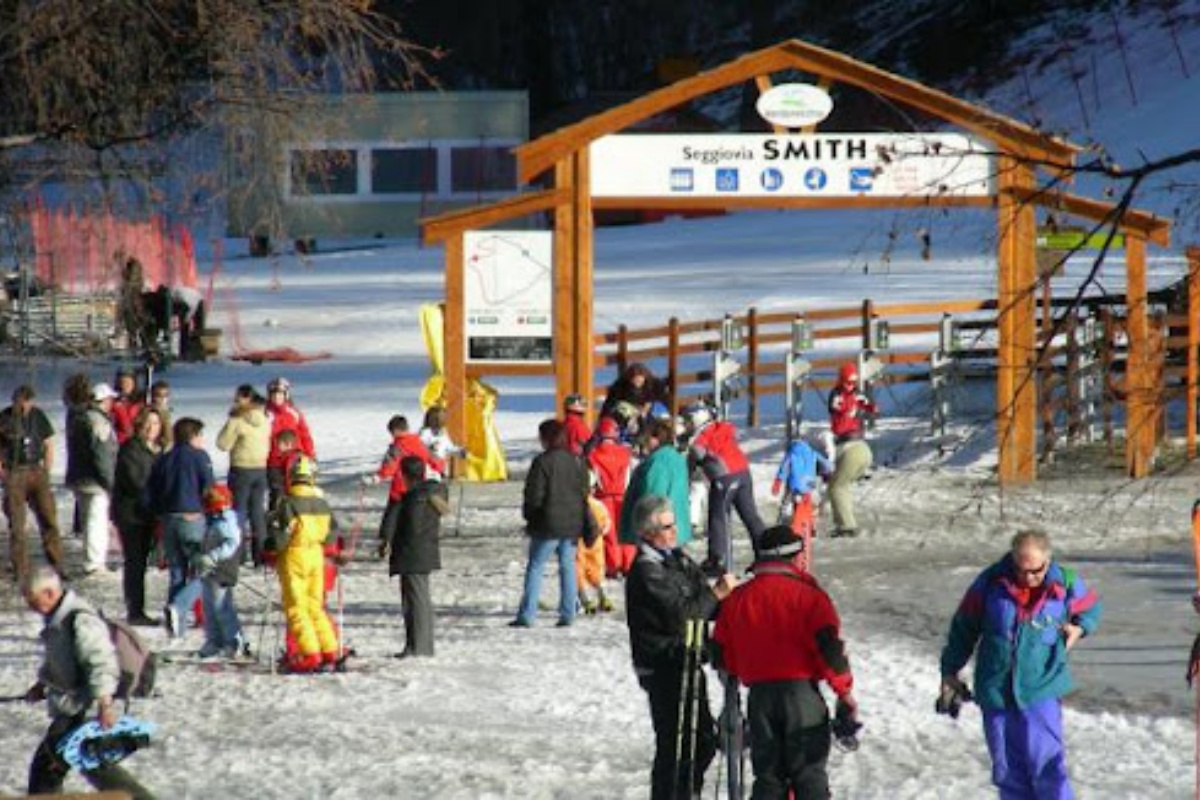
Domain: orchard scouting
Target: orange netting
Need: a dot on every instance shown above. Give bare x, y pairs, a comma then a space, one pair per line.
83, 252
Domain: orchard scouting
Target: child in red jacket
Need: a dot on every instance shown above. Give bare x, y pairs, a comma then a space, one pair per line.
575, 423
404, 443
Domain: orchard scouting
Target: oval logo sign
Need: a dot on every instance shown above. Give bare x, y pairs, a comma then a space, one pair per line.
794, 105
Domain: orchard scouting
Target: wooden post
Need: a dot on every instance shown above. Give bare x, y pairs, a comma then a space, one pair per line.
1107, 342
622, 348
868, 312
585, 350
1016, 390
1139, 413
564, 286
454, 341
1193, 348
673, 365
752, 365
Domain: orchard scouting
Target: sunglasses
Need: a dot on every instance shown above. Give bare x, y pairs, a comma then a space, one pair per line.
1032, 573
666, 526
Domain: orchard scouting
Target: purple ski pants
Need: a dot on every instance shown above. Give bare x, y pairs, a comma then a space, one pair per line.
1026, 746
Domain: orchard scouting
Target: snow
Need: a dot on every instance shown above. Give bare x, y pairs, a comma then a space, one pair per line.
556, 713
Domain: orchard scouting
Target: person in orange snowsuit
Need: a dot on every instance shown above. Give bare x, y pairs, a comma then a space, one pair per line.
589, 562
610, 462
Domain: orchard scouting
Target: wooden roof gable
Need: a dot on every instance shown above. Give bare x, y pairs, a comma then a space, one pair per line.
1009, 135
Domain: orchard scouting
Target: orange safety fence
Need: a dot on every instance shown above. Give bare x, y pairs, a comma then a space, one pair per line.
84, 252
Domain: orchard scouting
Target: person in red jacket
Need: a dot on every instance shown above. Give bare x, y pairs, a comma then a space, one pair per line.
404, 443
284, 417
609, 462
713, 447
848, 407
126, 405
575, 423
779, 634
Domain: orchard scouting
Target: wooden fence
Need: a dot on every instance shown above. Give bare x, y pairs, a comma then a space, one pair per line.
1082, 343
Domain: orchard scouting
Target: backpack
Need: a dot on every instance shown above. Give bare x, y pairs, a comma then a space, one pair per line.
136, 662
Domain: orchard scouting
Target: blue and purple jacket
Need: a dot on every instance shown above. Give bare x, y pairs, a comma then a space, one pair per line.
1022, 655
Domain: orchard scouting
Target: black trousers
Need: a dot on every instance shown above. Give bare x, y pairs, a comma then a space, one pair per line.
790, 741
47, 770
670, 778
734, 492
137, 540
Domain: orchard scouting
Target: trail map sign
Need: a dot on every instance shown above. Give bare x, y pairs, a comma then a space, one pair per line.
508, 296
802, 165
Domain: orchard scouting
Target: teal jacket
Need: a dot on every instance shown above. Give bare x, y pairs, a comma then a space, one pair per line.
664, 472
1022, 656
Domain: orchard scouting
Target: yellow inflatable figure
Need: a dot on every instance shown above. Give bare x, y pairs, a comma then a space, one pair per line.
305, 525
485, 453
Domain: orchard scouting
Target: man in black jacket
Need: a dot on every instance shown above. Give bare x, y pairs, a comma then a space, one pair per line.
665, 589
413, 542
555, 511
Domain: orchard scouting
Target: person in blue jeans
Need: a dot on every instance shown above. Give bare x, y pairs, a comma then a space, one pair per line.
216, 563
1020, 617
555, 511
175, 493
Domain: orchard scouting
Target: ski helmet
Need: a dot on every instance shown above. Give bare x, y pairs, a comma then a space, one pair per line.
575, 402
280, 384
217, 499
848, 373
304, 471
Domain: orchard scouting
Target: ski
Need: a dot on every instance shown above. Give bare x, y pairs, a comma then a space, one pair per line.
689, 704
731, 722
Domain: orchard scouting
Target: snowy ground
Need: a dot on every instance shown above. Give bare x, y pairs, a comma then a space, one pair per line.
549, 713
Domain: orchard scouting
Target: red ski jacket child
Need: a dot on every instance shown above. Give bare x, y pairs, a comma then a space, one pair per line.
610, 462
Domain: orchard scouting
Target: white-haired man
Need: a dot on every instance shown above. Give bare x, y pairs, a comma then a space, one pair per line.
78, 676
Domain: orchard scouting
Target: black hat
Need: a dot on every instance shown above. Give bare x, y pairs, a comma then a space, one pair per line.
780, 542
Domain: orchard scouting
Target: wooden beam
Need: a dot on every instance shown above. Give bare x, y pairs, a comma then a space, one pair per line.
454, 327
564, 285
534, 158
1016, 388
1155, 229
1139, 409
444, 226
584, 250
1193, 348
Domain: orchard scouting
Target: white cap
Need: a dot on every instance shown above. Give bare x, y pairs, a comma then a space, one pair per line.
102, 391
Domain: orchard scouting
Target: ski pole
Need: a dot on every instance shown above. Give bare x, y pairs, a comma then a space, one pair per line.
12, 698
697, 677
684, 688
462, 488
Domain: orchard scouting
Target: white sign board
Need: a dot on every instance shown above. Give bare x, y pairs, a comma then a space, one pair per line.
794, 105
797, 165
509, 295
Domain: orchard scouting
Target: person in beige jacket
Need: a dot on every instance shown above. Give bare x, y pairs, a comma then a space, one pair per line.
246, 436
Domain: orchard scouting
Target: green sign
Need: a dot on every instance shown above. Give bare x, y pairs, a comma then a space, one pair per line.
1079, 240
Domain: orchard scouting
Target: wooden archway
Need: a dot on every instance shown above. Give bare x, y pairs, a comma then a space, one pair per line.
1022, 153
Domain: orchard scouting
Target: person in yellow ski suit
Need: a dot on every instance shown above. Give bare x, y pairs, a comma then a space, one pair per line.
304, 526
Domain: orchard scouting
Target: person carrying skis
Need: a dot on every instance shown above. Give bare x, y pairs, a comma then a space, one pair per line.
216, 562
664, 591
852, 458
404, 443
1020, 618
304, 528
415, 553
79, 674
575, 423
779, 635
798, 473
713, 447
609, 462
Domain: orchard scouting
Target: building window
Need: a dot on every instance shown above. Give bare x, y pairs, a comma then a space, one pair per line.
411, 170
324, 172
482, 169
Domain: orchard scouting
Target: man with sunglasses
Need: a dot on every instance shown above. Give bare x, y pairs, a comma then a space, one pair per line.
1020, 617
